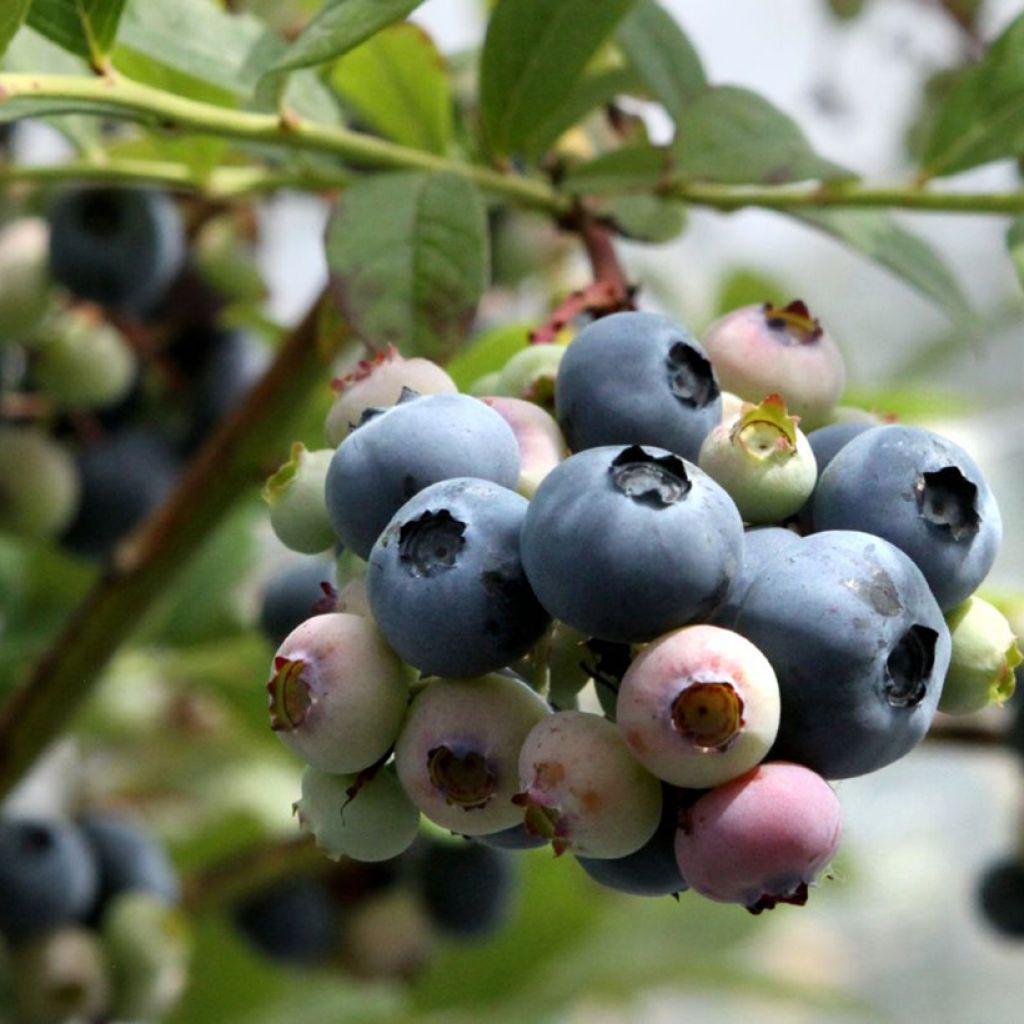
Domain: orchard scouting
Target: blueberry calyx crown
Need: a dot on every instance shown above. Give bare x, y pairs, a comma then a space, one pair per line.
658, 481
466, 780
543, 822
794, 322
768, 901
431, 543
766, 430
278, 483
290, 699
948, 500
909, 667
710, 715
690, 376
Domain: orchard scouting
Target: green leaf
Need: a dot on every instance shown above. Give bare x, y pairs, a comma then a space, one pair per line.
632, 168
1015, 243
534, 54
982, 119
341, 26
732, 135
907, 255
397, 82
645, 218
193, 48
590, 92
409, 257
11, 16
661, 54
84, 27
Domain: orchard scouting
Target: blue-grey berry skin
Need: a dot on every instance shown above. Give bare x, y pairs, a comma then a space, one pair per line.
760, 545
636, 378
921, 492
653, 870
295, 594
859, 646
826, 443
398, 451
514, 838
116, 246
48, 876
626, 543
293, 922
445, 582
128, 858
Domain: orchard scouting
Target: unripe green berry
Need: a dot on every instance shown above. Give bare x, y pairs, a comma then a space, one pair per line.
486, 385
83, 362
530, 374
60, 977
148, 943
367, 820
763, 460
985, 653
295, 494
24, 278
39, 483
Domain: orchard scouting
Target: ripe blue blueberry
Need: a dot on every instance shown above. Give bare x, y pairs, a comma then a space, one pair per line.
1001, 897
921, 492
467, 889
826, 443
397, 452
445, 582
294, 922
760, 545
636, 378
118, 247
128, 858
295, 594
48, 876
627, 543
123, 477
859, 646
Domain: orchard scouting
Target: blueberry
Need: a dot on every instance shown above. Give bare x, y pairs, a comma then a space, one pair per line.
760, 545
48, 876
467, 889
124, 477
378, 382
653, 870
699, 706
294, 594
514, 838
445, 582
627, 543
295, 494
761, 839
128, 858
826, 443
24, 280
39, 483
984, 659
399, 451
859, 646
764, 349
922, 493
541, 445
636, 378
294, 922
231, 362
1001, 897
117, 247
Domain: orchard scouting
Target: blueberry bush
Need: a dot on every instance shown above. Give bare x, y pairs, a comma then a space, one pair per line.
464, 642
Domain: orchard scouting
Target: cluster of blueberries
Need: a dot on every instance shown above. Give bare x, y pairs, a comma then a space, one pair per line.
90, 927
113, 366
765, 590
382, 919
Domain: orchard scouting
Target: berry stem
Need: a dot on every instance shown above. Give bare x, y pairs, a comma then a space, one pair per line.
231, 463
